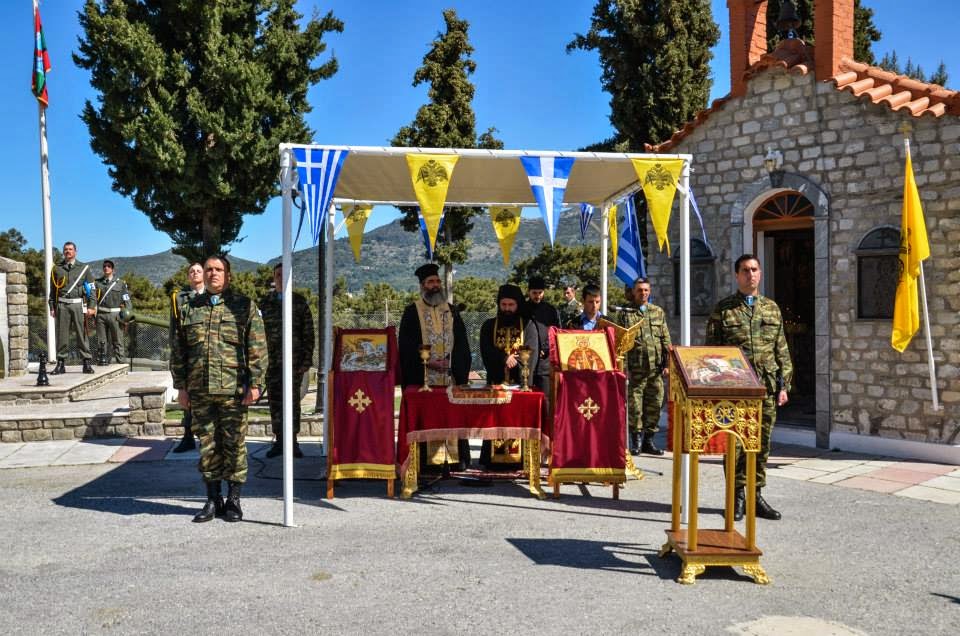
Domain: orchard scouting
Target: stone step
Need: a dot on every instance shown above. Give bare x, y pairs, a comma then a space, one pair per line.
23, 390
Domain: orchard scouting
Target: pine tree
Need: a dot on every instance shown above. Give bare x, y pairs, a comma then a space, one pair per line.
655, 59
447, 121
940, 75
865, 32
193, 99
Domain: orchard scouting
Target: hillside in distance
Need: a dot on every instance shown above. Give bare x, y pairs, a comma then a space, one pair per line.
157, 268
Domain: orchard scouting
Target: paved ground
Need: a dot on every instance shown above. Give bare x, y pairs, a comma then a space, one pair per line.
97, 539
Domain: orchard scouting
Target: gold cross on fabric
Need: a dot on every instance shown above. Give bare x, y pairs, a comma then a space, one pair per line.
360, 401
588, 409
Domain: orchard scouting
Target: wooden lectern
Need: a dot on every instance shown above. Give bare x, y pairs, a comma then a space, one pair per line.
714, 391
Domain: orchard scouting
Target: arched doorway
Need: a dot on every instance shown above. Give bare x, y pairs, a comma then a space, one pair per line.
783, 239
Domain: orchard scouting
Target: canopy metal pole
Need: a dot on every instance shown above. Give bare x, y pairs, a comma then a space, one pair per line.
604, 246
286, 176
328, 321
684, 319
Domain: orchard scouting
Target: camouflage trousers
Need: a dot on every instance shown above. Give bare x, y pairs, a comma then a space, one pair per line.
275, 399
644, 401
768, 418
220, 423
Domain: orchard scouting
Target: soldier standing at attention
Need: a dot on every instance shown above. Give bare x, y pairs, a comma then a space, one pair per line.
71, 300
647, 362
112, 296
571, 306
271, 307
753, 322
218, 364
178, 300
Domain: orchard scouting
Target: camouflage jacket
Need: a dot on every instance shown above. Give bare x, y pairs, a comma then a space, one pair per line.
219, 349
271, 308
653, 338
62, 278
113, 293
758, 331
569, 310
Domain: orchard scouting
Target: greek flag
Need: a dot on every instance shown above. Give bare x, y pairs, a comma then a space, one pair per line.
548, 180
426, 235
318, 170
586, 213
629, 254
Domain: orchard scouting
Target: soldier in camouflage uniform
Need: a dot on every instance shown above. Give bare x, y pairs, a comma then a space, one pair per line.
112, 296
218, 364
71, 300
570, 306
753, 323
271, 307
177, 300
647, 363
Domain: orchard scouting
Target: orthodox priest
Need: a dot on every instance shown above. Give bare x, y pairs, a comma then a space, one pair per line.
431, 320
500, 341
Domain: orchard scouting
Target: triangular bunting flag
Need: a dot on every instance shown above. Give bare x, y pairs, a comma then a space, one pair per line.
506, 222
431, 176
318, 170
548, 181
426, 236
356, 220
612, 229
658, 178
630, 265
586, 213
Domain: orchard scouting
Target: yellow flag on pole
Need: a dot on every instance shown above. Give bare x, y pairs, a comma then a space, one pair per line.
356, 220
612, 225
431, 176
914, 249
506, 222
658, 178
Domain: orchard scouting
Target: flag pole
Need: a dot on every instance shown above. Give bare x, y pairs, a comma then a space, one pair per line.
47, 222
926, 313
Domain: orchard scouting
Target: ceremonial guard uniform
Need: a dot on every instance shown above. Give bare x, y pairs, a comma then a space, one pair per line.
645, 363
72, 292
112, 296
219, 352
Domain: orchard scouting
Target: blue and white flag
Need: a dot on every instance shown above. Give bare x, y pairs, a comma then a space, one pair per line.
630, 265
426, 235
548, 180
318, 170
696, 210
586, 213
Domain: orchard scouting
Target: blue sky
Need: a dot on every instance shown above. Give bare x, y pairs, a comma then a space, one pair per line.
535, 94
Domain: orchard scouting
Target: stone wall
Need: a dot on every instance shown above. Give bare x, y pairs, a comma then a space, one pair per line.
847, 157
14, 331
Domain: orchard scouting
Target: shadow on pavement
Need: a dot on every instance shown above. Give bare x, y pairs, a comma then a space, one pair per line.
132, 489
589, 555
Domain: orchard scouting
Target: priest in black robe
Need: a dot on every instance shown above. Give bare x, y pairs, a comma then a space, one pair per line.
543, 315
432, 320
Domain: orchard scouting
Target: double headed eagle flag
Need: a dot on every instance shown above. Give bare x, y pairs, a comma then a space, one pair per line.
658, 178
548, 181
356, 220
506, 222
318, 170
630, 265
41, 60
914, 249
431, 176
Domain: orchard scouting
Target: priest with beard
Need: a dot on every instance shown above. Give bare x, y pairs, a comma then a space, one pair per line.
500, 340
432, 320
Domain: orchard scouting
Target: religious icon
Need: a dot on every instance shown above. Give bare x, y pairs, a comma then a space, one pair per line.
584, 350
363, 352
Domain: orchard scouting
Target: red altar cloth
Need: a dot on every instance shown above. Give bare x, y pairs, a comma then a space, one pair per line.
430, 416
589, 426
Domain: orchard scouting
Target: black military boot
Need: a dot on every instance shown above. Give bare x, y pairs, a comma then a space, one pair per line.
296, 448
764, 511
231, 509
61, 367
648, 446
186, 443
214, 505
86, 366
277, 449
739, 504
635, 442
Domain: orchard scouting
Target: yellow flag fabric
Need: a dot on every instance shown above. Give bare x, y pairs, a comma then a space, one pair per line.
506, 222
914, 248
658, 178
612, 223
356, 220
431, 176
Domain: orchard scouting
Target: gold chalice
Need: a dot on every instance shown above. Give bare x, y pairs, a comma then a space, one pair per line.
524, 353
425, 357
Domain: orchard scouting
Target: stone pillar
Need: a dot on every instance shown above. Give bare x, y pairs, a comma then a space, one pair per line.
147, 409
14, 330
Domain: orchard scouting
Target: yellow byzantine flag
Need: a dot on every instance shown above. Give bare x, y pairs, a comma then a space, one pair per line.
356, 220
914, 248
431, 176
658, 178
506, 222
612, 225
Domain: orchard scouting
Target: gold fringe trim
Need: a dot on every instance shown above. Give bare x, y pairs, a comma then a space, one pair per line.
458, 395
605, 475
362, 471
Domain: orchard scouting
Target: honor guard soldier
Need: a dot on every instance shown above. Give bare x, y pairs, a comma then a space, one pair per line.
218, 364
647, 363
753, 322
112, 296
71, 300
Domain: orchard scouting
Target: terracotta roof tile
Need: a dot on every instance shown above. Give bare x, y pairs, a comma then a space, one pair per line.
897, 92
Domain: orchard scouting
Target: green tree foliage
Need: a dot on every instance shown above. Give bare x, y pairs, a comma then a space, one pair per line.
193, 99
146, 297
560, 266
447, 121
14, 245
940, 75
891, 62
477, 294
655, 56
865, 32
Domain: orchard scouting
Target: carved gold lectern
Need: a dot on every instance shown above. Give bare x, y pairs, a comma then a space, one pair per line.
714, 391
